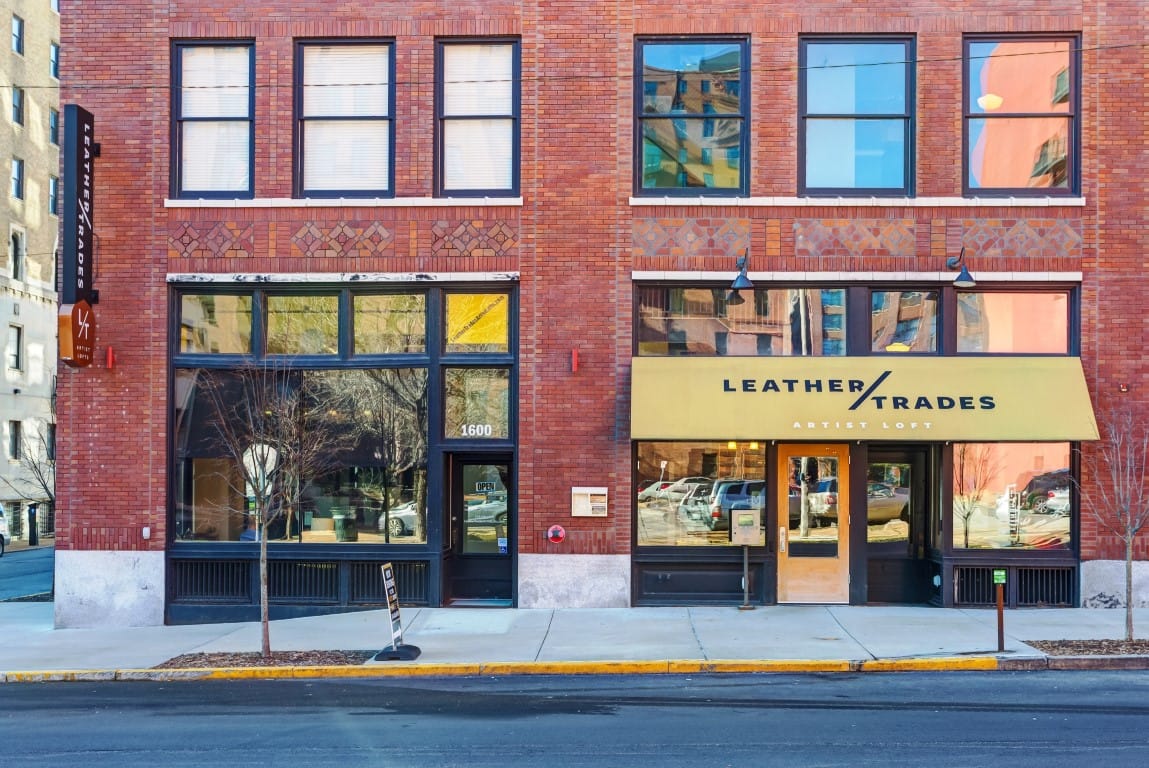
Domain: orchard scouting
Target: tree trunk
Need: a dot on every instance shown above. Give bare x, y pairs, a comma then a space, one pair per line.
1129, 587
264, 624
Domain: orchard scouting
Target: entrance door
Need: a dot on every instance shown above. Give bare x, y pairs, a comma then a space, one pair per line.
813, 524
480, 568
897, 501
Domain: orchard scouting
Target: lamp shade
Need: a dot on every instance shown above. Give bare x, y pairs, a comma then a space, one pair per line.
964, 279
741, 282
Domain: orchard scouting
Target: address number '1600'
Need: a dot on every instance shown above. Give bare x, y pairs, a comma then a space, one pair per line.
476, 430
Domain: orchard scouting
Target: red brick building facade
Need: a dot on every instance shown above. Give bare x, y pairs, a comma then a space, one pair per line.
582, 225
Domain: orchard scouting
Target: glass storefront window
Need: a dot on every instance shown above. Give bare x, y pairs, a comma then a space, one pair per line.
477, 322
321, 456
1031, 322
390, 323
889, 502
218, 324
302, 325
904, 321
687, 490
1012, 496
719, 322
477, 403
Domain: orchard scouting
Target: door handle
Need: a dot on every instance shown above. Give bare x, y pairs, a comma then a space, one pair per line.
781, 538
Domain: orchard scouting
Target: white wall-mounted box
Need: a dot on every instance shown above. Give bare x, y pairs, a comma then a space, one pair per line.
588, 502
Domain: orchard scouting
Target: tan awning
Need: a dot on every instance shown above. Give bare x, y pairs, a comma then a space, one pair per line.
1029, 399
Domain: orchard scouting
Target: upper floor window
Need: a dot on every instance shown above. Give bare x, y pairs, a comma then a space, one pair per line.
692, 105
15, 440
55, 5
762, 321
54, 126
18, 100
54, 60
17, 186
1011, 322
17, 34
54, 195
16, 252
214, 125
477, 130
856, 117
1021, 130
346, 127
15, 352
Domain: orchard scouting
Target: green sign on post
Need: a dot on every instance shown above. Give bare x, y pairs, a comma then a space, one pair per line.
998, 575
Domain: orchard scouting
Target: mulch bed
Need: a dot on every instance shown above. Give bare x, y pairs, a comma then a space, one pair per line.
1091, 647
278, 659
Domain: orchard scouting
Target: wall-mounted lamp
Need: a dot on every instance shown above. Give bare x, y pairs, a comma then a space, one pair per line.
964, 278
1120, 387
740, 282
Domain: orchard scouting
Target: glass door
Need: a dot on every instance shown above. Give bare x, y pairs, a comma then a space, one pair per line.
480, 563
813, 524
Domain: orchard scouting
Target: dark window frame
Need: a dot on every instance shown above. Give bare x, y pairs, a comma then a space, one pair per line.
54, 195
19, 100
515, 116
19, 32
54, 60
908, 118
53, 126
14, 354
1073, 152
745, 114
177, 120
17, 180
299, 182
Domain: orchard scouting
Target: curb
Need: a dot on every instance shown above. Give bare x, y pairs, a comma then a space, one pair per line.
512, 668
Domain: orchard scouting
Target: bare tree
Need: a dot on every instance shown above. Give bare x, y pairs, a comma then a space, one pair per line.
280, 428
1117, 494
34, 477
973, 471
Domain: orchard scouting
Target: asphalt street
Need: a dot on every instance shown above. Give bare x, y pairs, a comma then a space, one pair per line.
25, 572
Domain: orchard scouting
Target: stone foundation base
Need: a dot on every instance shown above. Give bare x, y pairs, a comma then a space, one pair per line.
574, 581
1103, 584
109, 589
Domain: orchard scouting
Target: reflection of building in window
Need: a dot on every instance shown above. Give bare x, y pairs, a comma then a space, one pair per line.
702, 321
903, 321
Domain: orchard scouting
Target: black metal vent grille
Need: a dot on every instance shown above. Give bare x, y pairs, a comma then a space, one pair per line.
1025, 587
367, 583
309, 582
212, 581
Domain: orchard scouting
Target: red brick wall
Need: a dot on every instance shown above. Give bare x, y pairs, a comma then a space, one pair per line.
573, 239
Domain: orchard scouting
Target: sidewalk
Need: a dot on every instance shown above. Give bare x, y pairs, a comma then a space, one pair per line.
485, 641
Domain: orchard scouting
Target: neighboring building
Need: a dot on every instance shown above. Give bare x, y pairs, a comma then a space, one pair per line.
467, 276
29, 223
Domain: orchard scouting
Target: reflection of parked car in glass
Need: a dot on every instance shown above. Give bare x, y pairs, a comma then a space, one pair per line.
650, 490
884, 502
400, 521
729, 494
679, 489
1037, 489
1056, 502
492, 509
696, 503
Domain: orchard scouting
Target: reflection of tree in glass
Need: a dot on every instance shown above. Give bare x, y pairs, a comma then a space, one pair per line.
279, 428
974, 468
392, 404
